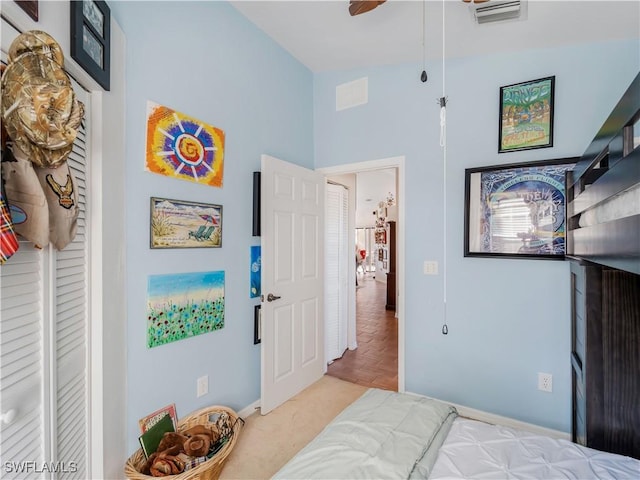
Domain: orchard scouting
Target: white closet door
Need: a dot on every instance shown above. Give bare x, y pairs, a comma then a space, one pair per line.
339, 258
44, 329
70, 334
21, 361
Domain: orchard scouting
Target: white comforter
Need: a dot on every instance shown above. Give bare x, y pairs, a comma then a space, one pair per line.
383, 435
476, 450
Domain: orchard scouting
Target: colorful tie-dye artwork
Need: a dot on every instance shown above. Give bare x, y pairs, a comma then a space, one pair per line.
182, 147
183, 305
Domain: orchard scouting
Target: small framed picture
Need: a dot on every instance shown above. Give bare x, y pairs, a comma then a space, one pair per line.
526, 115
257, 327
180, 224
91, 38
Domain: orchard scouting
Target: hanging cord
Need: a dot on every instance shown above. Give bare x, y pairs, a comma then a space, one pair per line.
443, 144
423, 75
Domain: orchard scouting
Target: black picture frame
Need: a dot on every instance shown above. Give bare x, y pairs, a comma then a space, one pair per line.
256, 204
526, 115
30, 7
257, 330
91, 38
517, 210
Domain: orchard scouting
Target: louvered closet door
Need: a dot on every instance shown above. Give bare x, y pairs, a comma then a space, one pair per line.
339, 258
69, 344
43, 350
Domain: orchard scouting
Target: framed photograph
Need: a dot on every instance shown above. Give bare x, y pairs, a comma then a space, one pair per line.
516, 210
526, 115
30, 7
381, 237
91, 38
257, 328
180, 224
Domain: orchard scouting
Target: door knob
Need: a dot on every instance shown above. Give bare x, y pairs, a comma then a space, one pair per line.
271, 297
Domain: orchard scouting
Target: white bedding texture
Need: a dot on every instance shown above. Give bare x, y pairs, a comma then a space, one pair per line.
394, 435
478, 450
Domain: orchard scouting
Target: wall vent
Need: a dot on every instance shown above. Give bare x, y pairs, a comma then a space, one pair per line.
352, 94
500, 11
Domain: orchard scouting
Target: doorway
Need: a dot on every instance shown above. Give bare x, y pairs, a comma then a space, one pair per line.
378, 357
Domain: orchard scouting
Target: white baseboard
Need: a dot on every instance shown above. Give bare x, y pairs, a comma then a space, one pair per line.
504, 421
463, 411
249, 409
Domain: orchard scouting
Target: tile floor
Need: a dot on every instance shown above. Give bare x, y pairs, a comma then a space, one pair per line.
375, 362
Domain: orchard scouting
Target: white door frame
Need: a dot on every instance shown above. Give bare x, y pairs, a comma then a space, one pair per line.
391, 162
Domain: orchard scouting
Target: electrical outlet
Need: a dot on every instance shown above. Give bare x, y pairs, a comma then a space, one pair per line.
203, 386
545, 382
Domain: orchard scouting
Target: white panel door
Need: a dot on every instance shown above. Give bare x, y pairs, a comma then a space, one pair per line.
292, 213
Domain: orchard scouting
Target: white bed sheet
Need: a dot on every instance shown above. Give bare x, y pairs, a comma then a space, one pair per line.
478, 450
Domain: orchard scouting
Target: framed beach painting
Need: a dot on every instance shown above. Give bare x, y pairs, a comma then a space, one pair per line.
181, 224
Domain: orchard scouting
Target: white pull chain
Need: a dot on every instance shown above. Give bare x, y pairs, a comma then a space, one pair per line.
443, 121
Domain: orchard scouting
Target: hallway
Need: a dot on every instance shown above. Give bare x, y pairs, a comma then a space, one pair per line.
375, 362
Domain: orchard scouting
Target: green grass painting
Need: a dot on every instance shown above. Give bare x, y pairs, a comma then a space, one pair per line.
183, 305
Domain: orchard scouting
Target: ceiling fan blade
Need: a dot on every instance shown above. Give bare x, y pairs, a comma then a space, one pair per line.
356, 7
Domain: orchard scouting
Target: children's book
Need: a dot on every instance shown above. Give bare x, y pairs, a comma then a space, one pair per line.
150, 420
150, 439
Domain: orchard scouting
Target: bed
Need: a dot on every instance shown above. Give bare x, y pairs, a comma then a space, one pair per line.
391, 435
395, 435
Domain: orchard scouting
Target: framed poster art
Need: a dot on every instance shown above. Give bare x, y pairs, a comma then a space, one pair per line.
526, 115
516, 210
91, 38
180, 224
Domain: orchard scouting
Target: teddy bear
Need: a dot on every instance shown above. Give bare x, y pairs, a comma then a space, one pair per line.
175, 447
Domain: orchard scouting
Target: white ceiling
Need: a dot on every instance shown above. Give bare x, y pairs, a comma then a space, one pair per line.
323, 36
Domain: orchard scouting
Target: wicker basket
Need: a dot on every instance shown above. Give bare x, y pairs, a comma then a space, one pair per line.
209, 470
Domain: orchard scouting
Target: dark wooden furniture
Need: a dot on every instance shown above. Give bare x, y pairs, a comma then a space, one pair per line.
391, 274
605, 278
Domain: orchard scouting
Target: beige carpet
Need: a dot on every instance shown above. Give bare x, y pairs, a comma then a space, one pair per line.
267, 442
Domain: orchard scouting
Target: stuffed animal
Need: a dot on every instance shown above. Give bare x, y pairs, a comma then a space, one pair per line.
163, 464
170, 440
197, 445
169, 457
199, 440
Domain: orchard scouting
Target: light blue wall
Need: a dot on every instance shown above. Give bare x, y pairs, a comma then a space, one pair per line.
508, 319
203, 59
